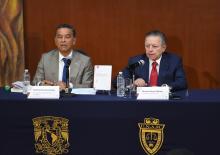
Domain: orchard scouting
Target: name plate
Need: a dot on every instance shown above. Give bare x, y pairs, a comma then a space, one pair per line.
153, 93
44, 92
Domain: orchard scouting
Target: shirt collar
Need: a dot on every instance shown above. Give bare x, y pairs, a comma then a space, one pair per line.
68, 56
158, 61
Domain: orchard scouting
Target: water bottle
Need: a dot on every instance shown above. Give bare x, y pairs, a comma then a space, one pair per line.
26, 81
120, 85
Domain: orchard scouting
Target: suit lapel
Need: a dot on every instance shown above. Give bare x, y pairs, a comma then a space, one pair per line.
146, 69
75, 66
55, 65
164, 66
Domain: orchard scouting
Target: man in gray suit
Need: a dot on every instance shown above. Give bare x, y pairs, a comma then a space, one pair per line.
51, 66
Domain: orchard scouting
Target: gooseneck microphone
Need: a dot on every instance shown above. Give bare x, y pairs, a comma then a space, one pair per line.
136, 64
68, 62
132, 67
67, 91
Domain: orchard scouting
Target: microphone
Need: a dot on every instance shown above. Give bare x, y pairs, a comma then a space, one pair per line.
136, 64
67, 91
68, 62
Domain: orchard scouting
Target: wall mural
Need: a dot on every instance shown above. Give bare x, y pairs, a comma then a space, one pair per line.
11, 41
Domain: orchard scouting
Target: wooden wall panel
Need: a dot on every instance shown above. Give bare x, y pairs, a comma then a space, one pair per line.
113, 30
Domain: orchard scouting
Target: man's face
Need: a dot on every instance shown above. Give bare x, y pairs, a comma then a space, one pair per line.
154, 47
64, 40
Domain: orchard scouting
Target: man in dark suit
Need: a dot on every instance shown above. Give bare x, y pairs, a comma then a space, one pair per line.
51, 66
168, 68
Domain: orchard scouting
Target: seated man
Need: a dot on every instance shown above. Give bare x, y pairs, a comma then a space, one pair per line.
159, 67
51, 68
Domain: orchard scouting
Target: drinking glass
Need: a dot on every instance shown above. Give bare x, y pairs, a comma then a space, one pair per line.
128, 88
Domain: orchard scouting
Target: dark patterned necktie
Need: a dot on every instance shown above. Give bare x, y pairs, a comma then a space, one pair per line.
64, 70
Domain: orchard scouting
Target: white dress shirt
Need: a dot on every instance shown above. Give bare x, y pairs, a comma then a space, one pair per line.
61, 64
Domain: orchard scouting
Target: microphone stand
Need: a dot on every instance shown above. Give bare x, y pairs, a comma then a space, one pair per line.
67, 91
131, 70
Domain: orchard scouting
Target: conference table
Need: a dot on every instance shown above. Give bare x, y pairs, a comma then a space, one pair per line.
104, 124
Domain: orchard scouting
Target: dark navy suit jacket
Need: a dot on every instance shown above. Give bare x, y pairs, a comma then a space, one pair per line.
171, 71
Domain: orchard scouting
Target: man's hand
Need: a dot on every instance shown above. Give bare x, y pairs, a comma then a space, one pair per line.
47, 83
61, 84
140, 82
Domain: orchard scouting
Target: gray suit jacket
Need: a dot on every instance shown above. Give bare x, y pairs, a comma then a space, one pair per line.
81, 69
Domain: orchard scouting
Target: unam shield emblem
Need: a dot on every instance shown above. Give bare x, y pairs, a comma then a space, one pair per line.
51, 135
151, 135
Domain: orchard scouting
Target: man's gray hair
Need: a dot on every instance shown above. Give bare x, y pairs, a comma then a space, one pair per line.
159, 34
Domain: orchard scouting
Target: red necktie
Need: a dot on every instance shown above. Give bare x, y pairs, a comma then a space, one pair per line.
153, 74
